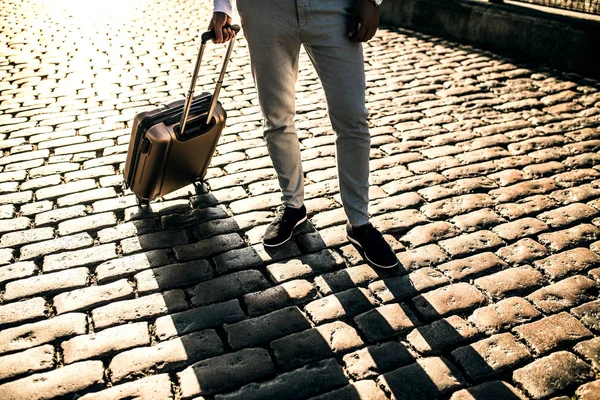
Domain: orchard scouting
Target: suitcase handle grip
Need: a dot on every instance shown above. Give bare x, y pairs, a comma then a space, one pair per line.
190, 94
209, 35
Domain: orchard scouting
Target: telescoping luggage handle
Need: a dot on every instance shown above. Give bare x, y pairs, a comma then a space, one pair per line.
206, 36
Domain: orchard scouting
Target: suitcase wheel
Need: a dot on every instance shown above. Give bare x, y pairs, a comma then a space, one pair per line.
142, 202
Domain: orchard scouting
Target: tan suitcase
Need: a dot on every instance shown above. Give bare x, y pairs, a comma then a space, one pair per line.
171, 146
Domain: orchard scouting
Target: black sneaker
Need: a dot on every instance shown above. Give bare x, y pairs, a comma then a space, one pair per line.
376, 250
281, 229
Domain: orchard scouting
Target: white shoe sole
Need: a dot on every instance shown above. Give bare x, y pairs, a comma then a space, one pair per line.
291, 234
367, 257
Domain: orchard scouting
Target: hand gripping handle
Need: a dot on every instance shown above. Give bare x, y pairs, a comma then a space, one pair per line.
206, 36
209, 35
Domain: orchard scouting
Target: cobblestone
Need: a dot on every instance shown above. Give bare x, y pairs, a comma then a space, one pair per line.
300, 383
589, 314
552, 373
374, 360
196, 319
13, 224
38, 333
302, 266
52, 246
477, 220
126, 230
424, 256
491, 356
365, 389
340, 305
47, 283
564, 294
124, 266
140, 308
92, 296
441, 335
571, 237
172, 276
253, 332
107, 341
526, 206
589, 391
208, 247
16, 271
33, 360
416, 381
561, 264
59, 214
567, 215
288, 293
91, 223
15, 239
484, 178
520, 228
60, 382
64, 189
501, 390
448, 300
407, 286
469, 266
347, 278
225, 372
86, 197
590, 351
152, 241
36, 207
151, 387
165, 356
551, 332
315, 344
236, 260
472, 242
511, 281
22, 311
504, 315
457, 205
522, 252
227, 287
386, 321
79, 258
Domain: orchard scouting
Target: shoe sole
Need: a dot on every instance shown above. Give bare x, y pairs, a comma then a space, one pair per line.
356, 243
291, 234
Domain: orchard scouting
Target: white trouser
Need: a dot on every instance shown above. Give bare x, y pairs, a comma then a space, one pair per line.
275, 31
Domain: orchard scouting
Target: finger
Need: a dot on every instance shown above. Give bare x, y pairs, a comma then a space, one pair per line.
353, 25
370, 34
362, 34
356, 33
227, 34
218, 35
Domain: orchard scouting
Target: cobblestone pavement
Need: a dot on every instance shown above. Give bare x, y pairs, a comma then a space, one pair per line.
485, 177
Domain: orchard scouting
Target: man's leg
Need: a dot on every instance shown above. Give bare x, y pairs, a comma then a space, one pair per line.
271, 28
340, 66
341, 71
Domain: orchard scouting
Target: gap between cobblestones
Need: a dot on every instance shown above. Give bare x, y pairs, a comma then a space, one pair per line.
448, 122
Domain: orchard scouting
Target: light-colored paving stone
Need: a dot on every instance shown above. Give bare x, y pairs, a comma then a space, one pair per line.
484, 178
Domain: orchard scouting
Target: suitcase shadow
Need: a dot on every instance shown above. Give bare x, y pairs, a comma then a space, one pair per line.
296, 321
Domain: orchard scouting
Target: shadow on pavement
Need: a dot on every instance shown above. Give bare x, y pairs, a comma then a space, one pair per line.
226, 332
